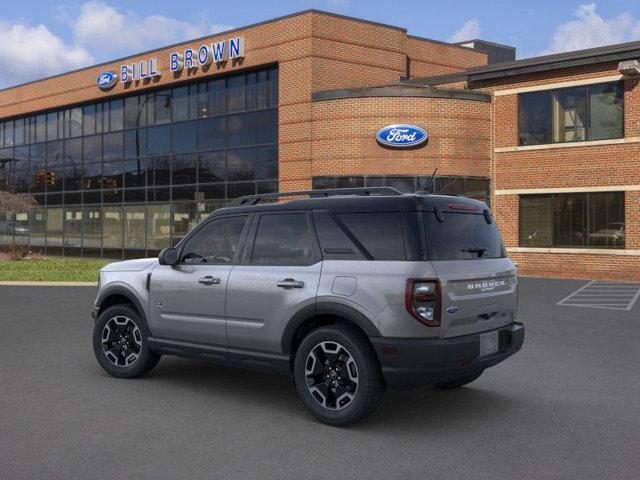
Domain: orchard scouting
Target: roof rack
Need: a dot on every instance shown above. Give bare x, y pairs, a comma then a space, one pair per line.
255, 199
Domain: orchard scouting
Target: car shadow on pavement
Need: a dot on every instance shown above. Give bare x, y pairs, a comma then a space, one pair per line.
400, 409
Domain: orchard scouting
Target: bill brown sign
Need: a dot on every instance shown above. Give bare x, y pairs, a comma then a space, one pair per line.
189, 59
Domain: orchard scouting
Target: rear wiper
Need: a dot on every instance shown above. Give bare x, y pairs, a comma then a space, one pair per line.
480, 251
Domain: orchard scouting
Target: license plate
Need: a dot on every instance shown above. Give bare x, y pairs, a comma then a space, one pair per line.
488, 343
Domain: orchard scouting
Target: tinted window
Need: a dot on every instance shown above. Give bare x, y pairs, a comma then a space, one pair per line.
283, 239
594, 112
216, 242
462, 236
380, 233
573, 220
334, 242
534, 118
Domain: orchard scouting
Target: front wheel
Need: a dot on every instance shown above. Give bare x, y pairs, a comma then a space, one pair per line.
120, 343
337, 375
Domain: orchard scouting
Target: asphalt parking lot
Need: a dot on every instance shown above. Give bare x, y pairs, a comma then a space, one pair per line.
567, 406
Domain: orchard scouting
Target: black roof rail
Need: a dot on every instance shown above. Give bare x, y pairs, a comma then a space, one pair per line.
255, 199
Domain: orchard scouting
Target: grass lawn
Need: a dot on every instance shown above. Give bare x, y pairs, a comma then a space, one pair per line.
52, 270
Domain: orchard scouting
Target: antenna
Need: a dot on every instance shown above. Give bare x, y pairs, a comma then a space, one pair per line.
424, 186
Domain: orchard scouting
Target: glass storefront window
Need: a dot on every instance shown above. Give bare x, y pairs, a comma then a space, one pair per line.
96, 168
37, 227
92, 229
72, 230
184, 136
184, 219
54, 227
158, 227
134, 227
112, 228
6, 228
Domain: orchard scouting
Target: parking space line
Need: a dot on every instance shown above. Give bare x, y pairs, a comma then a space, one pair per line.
613, 296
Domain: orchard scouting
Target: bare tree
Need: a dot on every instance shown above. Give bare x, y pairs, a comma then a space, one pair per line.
16, 202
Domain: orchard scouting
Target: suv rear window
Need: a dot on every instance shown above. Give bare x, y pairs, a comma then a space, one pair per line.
462, 236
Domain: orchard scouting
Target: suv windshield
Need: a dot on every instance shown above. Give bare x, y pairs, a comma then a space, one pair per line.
462, 236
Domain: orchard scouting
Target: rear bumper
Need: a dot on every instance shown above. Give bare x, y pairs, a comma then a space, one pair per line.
412, 363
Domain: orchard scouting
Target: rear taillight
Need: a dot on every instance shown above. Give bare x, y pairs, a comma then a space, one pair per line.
423, 301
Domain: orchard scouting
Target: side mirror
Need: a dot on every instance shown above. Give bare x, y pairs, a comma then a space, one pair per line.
168, 256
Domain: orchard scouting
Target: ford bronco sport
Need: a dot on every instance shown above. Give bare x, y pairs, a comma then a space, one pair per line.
348, 291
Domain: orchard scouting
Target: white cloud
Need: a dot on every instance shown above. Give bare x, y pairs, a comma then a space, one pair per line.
469, 31
104, 29
591, 30
28, 52
98, 32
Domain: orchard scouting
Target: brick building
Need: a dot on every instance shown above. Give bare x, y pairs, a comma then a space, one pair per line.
124, 157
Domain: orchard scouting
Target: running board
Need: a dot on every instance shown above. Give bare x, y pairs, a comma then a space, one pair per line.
253, 360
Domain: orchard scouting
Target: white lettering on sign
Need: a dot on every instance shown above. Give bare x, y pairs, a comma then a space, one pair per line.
401, 135
217, 52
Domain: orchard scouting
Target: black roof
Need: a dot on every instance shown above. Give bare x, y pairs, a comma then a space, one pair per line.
352, 203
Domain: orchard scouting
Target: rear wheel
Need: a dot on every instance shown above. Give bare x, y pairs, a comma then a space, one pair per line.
120, 343
459, 382
337, 375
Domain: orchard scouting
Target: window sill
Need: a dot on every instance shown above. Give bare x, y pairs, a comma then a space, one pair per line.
576, 251
547, 146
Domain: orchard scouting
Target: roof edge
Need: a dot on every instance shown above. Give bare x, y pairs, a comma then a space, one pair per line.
225, 32
556, 61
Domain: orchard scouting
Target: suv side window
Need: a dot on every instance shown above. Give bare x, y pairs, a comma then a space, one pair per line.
283, 239
334, 241
379, 232
216, 242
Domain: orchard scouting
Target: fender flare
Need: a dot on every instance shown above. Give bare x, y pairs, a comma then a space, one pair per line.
117, 289
326, 308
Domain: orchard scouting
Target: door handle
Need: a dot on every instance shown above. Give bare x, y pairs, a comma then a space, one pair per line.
290, 283
209, 280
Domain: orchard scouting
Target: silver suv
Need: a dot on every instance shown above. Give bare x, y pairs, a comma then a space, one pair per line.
348, 291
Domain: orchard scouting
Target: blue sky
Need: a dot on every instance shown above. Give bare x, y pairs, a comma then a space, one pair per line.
43, 37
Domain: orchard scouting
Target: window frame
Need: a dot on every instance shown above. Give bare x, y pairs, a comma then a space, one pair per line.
215, 218
552, 93
247, 254
588, 221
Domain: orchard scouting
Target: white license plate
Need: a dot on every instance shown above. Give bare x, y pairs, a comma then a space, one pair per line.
489, 343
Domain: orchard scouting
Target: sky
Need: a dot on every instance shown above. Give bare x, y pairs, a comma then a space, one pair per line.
39, 38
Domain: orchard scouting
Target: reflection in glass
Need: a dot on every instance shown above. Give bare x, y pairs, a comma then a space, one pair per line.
72, 229
184, 219
112, 225
241, 129
37, 227
92, 228
158, 227
134, 226
54, 227
241, 164
211, 133
184, 137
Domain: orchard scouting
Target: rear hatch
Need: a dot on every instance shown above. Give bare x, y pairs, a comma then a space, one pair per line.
478, 283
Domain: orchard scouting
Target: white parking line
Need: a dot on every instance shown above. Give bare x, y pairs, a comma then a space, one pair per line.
612, 296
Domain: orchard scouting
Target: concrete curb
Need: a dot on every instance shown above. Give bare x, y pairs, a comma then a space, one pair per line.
49, 284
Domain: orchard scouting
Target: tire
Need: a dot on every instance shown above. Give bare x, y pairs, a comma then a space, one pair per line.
120, 325
459, 382
349, 387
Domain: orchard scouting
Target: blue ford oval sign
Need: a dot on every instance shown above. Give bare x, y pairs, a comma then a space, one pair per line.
106, 80
401, 136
